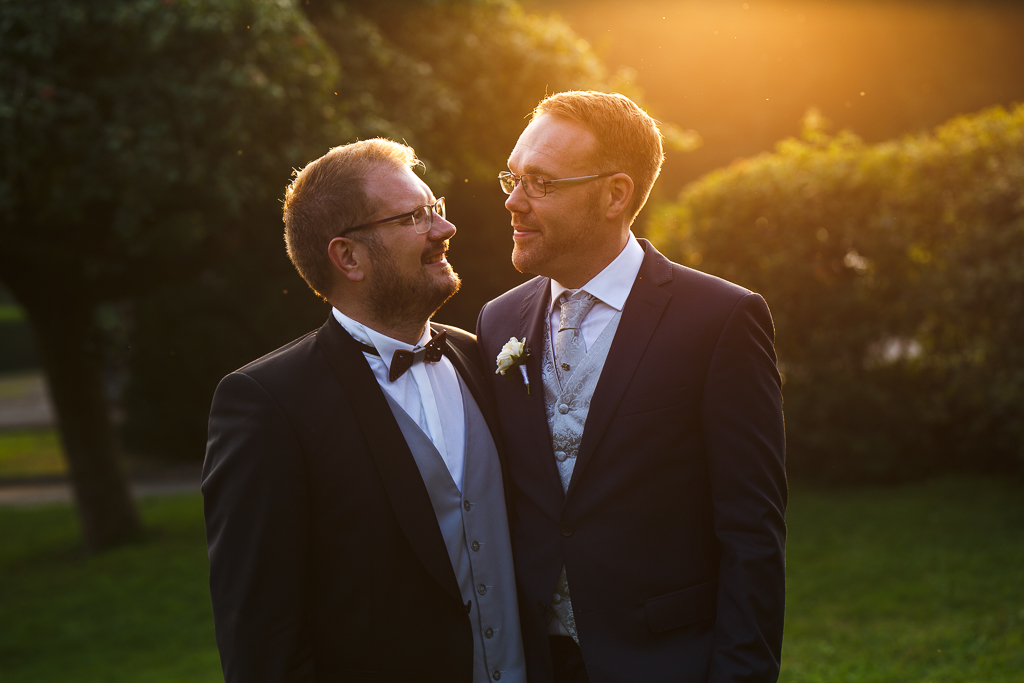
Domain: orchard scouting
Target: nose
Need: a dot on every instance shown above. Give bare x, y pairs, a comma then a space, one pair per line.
440, 229
517, 202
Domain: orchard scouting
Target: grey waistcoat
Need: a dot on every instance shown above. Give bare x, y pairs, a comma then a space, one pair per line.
567, 406
475, 529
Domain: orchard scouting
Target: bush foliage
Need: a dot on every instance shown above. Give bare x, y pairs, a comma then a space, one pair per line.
895, 275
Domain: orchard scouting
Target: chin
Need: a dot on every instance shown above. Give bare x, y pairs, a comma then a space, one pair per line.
525, 261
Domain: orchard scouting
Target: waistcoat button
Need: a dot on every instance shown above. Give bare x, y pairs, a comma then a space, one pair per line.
557, 599
563, 408
560, 456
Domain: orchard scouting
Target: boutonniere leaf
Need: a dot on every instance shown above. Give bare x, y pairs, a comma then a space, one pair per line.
514, 354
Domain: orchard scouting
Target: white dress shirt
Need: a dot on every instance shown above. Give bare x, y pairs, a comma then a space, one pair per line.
610, 287
428, 392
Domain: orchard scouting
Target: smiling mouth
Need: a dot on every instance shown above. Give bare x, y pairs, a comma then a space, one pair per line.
519, 232
435, 258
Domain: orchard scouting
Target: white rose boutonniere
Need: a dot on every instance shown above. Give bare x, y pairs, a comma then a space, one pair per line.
514, 353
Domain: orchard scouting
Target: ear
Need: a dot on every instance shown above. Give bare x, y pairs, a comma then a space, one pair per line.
620, 192
347, 256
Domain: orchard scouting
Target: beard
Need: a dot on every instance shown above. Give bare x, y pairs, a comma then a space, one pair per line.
396, 298
559, 246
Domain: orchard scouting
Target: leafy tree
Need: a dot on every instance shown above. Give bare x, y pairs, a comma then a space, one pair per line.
895, 274
455, 79
142, 141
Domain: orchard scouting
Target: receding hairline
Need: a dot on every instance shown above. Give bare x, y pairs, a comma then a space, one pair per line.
532, 168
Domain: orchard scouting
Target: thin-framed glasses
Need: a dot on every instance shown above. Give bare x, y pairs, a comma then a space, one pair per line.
422, 218
536, 186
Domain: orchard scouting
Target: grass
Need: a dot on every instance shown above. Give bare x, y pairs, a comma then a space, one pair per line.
140, 613
919, 583
30, 452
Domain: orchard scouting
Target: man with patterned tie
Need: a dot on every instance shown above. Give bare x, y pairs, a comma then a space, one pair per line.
648, 477
354, 498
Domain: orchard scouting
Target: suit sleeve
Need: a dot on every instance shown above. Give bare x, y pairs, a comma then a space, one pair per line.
741, 411
257, 527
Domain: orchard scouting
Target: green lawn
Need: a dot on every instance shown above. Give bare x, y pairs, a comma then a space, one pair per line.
31, 452
918, 583
140, 613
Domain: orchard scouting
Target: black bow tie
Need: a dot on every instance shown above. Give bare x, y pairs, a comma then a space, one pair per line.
403, 360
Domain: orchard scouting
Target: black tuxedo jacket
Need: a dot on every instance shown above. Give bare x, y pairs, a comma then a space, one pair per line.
326, 559
672, 531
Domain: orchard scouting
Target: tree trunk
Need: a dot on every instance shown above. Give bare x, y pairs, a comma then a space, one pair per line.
73, 360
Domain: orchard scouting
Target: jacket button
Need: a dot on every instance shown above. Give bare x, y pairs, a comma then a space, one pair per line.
481, 589
496, 675
567, 529
489, 633
541, 608
465, 504
475, 545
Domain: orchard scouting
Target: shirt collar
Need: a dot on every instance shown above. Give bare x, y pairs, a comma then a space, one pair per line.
612, 285
385, 345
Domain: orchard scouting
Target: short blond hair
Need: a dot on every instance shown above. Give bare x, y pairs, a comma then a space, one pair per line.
628, 139
329, 195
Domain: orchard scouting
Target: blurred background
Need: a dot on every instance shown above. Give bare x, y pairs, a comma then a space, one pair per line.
860, 163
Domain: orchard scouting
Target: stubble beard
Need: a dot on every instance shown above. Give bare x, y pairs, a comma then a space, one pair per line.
398, 300
571, 240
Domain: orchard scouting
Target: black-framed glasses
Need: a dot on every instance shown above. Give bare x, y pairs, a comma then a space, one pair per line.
422, 218
536, 186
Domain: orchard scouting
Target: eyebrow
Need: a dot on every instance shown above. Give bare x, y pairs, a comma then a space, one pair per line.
530, 169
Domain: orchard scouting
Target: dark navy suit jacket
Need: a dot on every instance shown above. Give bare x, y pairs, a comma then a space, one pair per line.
672, 532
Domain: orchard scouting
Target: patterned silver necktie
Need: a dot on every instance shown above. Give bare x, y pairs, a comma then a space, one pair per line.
570, 350
569, 345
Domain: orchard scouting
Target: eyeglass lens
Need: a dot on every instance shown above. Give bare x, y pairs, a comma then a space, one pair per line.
533, 185
423, 217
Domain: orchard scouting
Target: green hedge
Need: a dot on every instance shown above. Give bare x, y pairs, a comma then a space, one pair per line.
895, 275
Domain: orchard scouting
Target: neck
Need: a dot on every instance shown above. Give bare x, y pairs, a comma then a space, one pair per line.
409, 332
586, 271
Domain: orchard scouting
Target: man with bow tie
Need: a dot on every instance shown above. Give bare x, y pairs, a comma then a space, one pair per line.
354, 498
646, 468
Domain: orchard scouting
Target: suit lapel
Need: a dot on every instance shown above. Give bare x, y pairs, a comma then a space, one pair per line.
402, 480
532, 313
640, 316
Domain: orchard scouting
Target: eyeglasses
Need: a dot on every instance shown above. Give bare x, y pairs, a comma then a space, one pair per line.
536, 186
422, 218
